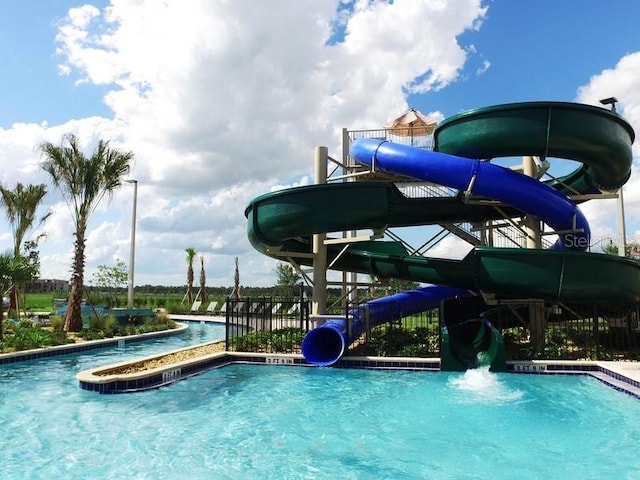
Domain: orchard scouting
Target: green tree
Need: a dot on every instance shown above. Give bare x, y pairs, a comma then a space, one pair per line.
390, 286
286, 278
32, 255
20, 205
14, 268
29, 272
83, 182
6, 281
631, 249
112, 278
191, 254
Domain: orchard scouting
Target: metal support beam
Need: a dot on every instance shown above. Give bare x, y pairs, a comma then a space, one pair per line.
319, 293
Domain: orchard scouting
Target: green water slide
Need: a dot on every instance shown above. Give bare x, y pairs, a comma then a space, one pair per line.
280, 224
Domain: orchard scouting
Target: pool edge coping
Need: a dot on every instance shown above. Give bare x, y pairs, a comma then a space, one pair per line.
88, 345
164, 375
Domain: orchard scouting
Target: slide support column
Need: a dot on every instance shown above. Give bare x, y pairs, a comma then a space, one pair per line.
531, 223
622, 233
319, 293
537, 315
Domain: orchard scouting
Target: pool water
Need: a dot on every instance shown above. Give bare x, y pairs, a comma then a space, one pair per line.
283, 422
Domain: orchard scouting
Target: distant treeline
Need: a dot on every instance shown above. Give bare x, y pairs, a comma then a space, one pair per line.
216, 292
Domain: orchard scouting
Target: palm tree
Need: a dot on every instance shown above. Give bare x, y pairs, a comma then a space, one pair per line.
83, 183
14, 268
191, 254
5, 282
236, 281
20, 205
203, 280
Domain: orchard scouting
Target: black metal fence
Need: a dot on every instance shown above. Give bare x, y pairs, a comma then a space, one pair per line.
404, 336
266, 324
533, 330
570, 331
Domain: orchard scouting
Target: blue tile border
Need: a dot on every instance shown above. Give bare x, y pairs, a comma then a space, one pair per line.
615, 380
167, 376
69, 348
180, 371
170, 374
620, 377
420, 364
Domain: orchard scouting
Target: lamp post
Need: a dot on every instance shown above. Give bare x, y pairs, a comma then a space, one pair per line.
622, 233
132, 252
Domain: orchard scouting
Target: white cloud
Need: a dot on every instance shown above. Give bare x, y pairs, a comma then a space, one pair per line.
622, 82
450, 247
223, 101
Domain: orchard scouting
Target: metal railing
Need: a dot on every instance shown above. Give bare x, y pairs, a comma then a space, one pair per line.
569, 332
266, 324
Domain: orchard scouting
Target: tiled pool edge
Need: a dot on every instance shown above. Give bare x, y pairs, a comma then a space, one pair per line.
96, 380
609, 373
38, 353
161, 376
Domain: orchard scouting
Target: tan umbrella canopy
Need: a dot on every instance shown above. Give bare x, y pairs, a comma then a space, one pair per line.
412, 123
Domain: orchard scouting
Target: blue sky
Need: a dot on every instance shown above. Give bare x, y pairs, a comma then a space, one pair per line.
224, 101
34, 91
539, 50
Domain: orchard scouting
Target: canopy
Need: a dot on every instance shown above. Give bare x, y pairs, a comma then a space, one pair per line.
412, 123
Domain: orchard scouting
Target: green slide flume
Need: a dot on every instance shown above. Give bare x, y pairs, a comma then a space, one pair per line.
280, 224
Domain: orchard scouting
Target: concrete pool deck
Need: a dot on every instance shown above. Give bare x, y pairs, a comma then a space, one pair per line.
624, 375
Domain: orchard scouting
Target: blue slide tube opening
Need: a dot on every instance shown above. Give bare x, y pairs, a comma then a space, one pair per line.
324, 345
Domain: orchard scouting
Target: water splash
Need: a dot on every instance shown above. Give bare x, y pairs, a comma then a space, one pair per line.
483, 359
481, 384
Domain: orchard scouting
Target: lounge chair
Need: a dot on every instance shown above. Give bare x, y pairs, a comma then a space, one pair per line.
294, 309
211, 307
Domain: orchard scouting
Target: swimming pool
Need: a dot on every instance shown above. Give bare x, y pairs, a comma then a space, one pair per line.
247, 421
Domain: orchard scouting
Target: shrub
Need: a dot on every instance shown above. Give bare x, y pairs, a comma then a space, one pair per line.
285, 340
57, 323
97, 323
110, 326
27, 335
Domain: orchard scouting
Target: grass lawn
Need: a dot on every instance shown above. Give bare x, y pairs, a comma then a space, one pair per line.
41, 302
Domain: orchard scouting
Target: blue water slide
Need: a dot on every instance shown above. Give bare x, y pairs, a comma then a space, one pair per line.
480, 178
323, 346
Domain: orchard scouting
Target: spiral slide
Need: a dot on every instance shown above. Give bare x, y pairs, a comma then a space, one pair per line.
281, 223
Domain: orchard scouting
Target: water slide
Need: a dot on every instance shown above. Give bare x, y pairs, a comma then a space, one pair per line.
281, 223
324, 345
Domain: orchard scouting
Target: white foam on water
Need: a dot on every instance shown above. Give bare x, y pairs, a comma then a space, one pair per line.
481, 384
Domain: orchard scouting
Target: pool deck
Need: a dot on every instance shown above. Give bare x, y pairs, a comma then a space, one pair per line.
628, 369
621, 376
